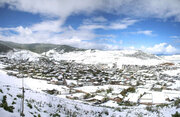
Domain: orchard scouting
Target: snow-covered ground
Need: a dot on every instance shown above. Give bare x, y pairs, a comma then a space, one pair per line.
174, 58
23, 55
172, 72
48, 105
129, 57
132, 57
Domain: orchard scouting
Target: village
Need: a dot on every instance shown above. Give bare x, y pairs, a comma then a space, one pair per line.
100, 84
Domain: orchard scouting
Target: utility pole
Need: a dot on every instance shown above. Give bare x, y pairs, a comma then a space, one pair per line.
22, 106
22, 112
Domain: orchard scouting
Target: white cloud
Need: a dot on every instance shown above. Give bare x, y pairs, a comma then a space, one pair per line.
60, 8
92, 26
170, 49
123, 24
99, 19
54, 32
131, 48
145, 32
162, 48
117, 25
50, 26
63, 8
175, 37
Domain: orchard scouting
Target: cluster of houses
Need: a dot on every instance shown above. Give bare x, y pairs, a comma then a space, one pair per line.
76, 75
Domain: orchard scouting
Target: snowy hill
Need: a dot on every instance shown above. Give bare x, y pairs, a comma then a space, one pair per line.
134, 57
23, 55
173, 58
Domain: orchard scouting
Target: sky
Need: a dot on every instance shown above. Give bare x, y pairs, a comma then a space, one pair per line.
152, 26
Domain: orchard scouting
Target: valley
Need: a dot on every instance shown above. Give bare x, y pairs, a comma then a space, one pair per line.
94, 82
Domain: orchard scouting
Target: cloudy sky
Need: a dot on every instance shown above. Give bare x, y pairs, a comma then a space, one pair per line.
149, 25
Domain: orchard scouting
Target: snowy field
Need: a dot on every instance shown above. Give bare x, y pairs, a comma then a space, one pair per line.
174, 58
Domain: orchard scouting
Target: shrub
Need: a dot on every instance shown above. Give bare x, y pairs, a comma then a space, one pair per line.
4, 105
87, 95
56, 115
131, 89
162, 105
177, 102
109, 90
126, 103
19, 96
29, 105
39, 115
106, 112
100, 90
13, 102
105, 99
176, 114
1, 91
74, 114
36, 108
125, 91
151, 109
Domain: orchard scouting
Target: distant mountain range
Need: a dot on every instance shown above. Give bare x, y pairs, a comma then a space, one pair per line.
91, 56
6, 46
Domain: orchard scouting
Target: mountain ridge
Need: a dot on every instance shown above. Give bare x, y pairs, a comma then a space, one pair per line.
40, 47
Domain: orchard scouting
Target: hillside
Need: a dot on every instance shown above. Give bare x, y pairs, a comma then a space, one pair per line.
39, 47
66, 48
132, 57
23, 55
4, 48
173, 58
65, 52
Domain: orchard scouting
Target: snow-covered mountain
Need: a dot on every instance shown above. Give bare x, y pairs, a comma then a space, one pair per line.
23, 55
134, 57
173, 58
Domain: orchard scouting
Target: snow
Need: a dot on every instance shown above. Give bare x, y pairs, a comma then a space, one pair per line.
23, 55
105, 57
172, 72
43, 101
171, 94
132, 97
92, 89
34, 88
175, 85
174, 58
110, 103
97, 97
158, 97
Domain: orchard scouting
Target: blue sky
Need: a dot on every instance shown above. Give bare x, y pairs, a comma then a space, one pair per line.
152, 26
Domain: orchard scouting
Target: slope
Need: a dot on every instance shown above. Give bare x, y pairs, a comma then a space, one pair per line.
120, 57
39, 47
4, 48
